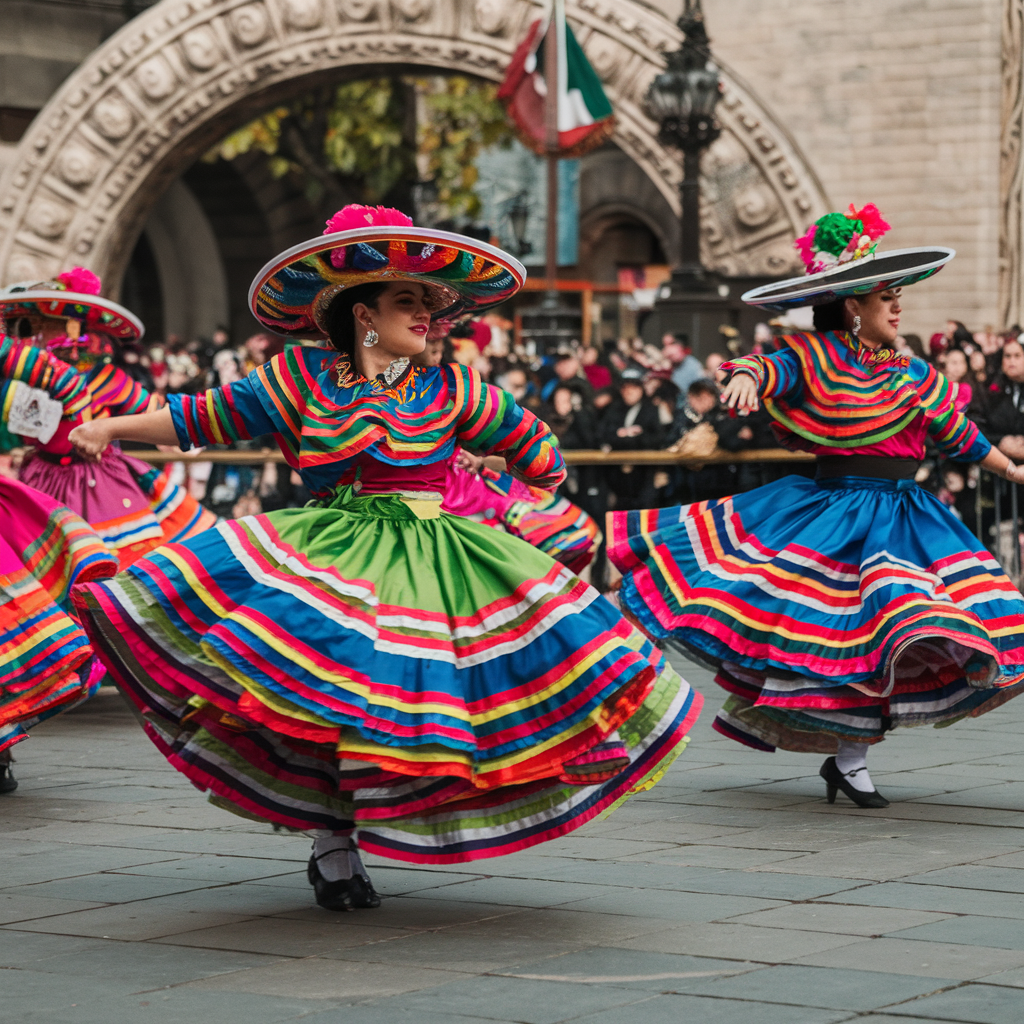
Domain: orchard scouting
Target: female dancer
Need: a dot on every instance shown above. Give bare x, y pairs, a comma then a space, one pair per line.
546, 520
46, 662
374, 663
838, 608
72, 333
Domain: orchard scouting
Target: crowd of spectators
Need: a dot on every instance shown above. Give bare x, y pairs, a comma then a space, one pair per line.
628, 396
987, 370
176, 367
621, 396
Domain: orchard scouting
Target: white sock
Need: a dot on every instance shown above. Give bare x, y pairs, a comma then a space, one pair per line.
336, 858
852, 761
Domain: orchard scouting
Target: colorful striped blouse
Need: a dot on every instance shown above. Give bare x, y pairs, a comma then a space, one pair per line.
829, 392
104, 390
38, 369
326, 418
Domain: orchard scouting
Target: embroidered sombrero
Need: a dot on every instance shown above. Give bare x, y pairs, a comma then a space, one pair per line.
363, 244
73, 295
839, 253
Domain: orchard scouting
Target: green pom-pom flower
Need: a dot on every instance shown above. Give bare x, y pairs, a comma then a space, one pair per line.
834, 233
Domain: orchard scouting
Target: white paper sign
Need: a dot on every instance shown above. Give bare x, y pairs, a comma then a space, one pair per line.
33, 413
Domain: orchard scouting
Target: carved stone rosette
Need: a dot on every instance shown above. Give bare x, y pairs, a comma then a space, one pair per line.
184, 72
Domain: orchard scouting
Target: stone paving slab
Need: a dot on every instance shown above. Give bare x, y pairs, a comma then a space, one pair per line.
731, 893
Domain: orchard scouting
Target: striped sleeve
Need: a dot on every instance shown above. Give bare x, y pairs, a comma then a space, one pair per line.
952, 432
775, 375
491, 422
37, 368
114, 389
268, 401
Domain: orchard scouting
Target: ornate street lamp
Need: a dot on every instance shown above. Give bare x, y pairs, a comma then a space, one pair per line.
682, 101
517, 210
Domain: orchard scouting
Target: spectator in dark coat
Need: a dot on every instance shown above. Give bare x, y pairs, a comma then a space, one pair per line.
631, 423
566, 369
1003, 419
576, 427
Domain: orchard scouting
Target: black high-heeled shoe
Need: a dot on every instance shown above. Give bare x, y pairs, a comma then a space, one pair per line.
835, 780
355, 893
8, 783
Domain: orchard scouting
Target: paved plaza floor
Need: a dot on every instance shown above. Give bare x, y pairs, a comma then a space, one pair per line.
730, 894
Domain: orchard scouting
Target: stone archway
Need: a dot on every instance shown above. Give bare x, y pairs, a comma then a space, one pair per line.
167, 85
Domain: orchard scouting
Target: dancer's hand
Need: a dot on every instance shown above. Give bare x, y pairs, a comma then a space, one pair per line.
91, 439
741, 393
469, 462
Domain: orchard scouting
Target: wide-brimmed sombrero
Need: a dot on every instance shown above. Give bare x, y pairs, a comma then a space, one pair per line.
839, 251
73, 295
364, 244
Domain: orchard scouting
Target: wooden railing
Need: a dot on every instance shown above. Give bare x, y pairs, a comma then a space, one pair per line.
583, 457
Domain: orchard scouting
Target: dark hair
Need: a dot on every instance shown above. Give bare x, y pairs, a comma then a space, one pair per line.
340, 322
702, 386
961, 336
667, 392
915, 344
831, 316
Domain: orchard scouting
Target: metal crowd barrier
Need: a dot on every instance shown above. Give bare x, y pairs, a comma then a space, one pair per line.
1003, 536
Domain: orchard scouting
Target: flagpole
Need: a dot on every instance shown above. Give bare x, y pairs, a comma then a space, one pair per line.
551, 145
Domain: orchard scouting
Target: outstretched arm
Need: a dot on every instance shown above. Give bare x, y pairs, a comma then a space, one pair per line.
750, 378
492, 422
996, 462
92, 438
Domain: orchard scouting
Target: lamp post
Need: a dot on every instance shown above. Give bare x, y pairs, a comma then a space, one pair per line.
682, 101
517, 210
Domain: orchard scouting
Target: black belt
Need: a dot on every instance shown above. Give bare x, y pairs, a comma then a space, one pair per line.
866, 465
54, 459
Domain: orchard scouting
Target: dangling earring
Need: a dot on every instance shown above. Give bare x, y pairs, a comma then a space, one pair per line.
856, 326
371, 339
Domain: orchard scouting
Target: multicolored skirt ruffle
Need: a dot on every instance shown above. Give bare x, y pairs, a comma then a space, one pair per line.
132, 506
550, 522
448, 689
833, 609
46, 662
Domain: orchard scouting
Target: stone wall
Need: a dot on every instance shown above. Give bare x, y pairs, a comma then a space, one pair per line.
895, 102
892, 101
41, 45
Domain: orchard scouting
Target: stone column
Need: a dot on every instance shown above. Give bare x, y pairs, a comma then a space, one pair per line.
1011, 166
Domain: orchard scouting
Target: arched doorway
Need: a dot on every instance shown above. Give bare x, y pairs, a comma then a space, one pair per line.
149, 101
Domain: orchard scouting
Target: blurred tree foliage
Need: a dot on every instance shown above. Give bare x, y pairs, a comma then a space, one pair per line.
372, 140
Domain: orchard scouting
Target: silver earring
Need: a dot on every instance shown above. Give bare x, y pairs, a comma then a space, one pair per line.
856, 325
371, 339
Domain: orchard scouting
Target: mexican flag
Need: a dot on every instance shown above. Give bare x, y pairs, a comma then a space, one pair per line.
585, 117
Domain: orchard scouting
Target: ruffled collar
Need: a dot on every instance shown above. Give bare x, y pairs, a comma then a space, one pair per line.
392, 379
868, 356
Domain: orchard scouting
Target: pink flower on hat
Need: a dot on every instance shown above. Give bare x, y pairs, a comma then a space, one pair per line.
805, 246
80, 280
356, 216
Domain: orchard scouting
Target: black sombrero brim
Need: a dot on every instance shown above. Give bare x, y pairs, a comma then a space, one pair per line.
874, 273
291, 293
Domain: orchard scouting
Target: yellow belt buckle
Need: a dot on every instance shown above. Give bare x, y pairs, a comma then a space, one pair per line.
424, 508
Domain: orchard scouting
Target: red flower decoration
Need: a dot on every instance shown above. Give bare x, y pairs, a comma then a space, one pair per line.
871, 218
